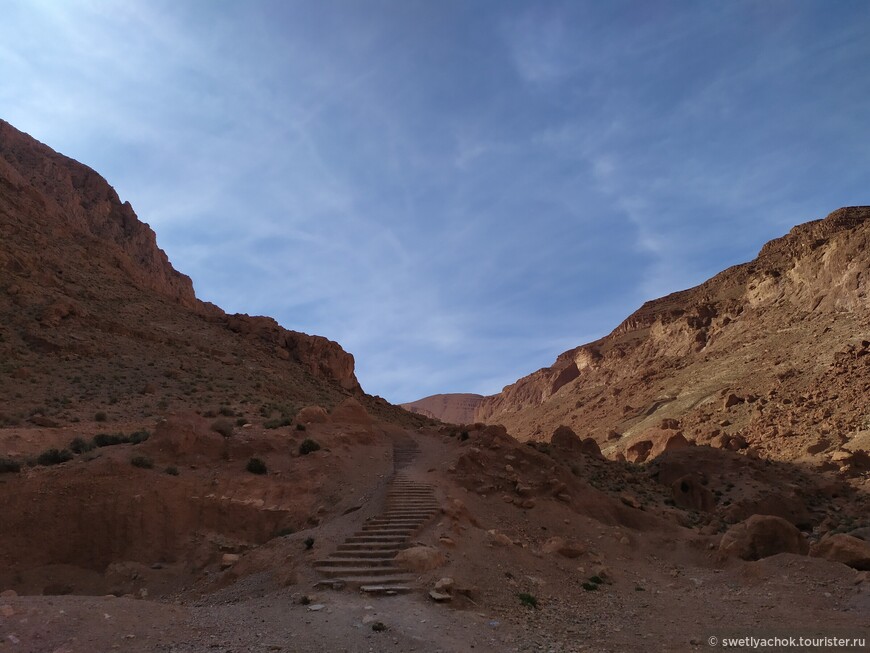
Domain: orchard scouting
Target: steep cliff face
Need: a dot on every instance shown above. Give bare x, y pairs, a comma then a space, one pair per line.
74, 201
775, 324
87, 295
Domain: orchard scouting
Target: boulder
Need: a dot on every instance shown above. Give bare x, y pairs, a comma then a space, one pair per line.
565, 438
845, 549
761, 536
312, 415
667, 441
639, 451
420, 558
351, 411
589, 447
563, 547
185, 434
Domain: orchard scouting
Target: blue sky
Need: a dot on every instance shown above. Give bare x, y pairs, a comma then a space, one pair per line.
454, 191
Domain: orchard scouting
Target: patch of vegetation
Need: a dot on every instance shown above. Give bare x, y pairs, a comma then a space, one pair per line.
242, 421
590, 587
139, 436
79, 445
277, 422
309, 543
596, 579
226, 411
256, 466
101, 417
172, 470
379, 626
463, 436
9, 466
54, 457
142, 462
223, 426
110, 439
308, 446
300, 427
283, 532
528, 600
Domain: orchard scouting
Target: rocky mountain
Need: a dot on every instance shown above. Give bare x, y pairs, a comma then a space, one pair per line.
770, 354
456, 408
94, 318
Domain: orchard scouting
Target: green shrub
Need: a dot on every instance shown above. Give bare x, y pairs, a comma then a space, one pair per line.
101, 417
8, 466
309, 543
172, 470
142, 462
300, 427
78, 445
308, 445
241, 421
528, 600
54, 457
590, 587
223, 426
379, 626
256, 466
277, 422
110, 439
139, 436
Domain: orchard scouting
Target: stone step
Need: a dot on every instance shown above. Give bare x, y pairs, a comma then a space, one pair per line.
376, 539
368, 546
356, 562
387, 530
346, 550
371, 572
385, 589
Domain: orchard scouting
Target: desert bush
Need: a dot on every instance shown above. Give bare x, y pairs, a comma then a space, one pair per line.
300, 427
590, 587
101, 417
172, 470
9, 466
528, 600
79, 445
139, 436
309, 543
308, 445
463, 436
53, 457
277, 422
226, 411
223, 426
256, 466
142, 462
241, 421
109, 439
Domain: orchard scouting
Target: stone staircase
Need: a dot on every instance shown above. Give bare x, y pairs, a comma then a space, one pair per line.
366, 559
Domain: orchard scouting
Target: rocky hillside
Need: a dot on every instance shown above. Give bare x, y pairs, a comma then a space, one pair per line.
94, 318
457, 408
771, 354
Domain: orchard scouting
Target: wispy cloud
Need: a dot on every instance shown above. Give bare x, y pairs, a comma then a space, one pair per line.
456, 193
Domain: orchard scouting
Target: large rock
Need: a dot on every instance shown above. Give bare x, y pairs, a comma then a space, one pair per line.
420, 558
312, 415
761, 536
351, 411
565, 438
846, 549
185, 434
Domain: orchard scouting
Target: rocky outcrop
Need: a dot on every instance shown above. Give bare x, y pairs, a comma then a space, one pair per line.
81, 276
762, 536
717, 348
845, 549
85, 205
